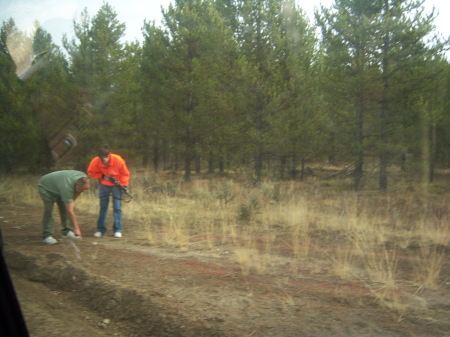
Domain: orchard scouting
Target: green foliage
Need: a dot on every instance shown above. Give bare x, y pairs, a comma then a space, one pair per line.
20, 136
98, 62
237, 84
378, 65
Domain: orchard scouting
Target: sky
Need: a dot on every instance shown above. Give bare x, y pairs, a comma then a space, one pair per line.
56, 16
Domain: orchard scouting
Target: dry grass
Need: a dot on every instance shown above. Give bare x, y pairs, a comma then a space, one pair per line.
385, 240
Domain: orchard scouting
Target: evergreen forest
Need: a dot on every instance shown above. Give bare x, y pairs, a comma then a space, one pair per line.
226, 85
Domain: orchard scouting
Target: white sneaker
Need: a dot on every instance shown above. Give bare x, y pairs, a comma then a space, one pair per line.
50, 240
117, 234
70, 235
98, 234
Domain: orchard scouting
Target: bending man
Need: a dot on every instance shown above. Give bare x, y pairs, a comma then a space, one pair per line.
62, 188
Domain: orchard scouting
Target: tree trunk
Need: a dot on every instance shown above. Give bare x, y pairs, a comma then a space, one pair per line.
283, 161
428, 151
210, 163
358, 173
221, 162
302, 172
384, 156
433, 144
384, 124
187, 166
332, 153
258, 162
294, 167
188, 154
156, 156
198, 163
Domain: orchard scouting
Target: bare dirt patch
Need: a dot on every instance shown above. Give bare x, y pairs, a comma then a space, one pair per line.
125, 287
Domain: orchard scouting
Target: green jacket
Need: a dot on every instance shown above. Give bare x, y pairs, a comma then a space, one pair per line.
60, 184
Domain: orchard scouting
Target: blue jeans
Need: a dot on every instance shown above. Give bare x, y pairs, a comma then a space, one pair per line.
104, 193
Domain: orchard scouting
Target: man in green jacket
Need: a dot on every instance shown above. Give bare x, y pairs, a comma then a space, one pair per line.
62, 187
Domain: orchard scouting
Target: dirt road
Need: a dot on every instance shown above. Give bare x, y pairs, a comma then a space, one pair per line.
125, 287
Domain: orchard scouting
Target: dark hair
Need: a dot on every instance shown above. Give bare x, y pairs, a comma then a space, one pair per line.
103, 151
82, 181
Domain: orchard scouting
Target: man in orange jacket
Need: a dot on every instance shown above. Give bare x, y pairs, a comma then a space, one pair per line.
102, 167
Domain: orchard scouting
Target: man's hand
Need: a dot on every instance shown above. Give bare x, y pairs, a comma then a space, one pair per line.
70, 210
107, 178
77, 232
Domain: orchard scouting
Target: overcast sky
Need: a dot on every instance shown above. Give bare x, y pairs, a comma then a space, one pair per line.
56, 16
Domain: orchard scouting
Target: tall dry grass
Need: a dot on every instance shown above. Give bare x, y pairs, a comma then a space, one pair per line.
384, 240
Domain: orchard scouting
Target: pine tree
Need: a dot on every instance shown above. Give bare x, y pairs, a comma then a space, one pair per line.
198, 60
404, 58
152, 120
96, 63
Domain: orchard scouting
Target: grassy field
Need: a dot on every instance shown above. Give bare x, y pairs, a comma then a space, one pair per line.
394, 243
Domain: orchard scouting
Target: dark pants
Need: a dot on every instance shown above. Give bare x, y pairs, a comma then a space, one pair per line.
48, 223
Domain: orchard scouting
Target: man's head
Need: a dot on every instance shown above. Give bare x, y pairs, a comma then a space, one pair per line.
103, 153
82, 184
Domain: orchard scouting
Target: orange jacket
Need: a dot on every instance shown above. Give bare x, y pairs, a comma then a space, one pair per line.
115, 167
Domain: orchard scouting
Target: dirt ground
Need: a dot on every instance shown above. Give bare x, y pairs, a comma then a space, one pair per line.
125, 287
